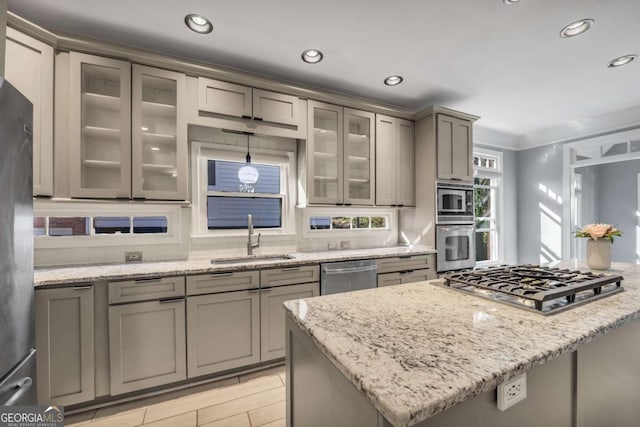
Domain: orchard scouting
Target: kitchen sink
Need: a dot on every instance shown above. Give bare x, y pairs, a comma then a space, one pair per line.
251, 258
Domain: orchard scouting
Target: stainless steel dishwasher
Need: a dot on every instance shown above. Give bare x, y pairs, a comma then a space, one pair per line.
347, 276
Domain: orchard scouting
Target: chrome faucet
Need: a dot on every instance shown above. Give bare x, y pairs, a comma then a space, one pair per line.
251, 245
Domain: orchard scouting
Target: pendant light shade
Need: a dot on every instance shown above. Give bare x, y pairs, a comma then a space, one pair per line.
248, 174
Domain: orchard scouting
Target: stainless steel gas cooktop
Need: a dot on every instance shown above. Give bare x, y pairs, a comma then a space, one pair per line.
546, 290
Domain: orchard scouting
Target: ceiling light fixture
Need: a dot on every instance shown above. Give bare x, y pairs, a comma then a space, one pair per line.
312, 56
393, 80
576, 28
198, 23
510, 2
622, 60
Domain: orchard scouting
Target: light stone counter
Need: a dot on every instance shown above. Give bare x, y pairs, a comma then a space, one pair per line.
415, 350
92, 273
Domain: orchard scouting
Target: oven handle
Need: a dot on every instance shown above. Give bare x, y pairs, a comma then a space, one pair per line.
350, 270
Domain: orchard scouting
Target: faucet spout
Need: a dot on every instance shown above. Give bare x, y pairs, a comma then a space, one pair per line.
250, 244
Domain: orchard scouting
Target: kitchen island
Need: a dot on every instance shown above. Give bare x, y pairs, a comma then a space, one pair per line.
422, 354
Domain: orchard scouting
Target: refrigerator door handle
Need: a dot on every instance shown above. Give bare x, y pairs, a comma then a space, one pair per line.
19, 388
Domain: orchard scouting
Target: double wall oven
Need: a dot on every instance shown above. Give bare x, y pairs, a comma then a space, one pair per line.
455, 226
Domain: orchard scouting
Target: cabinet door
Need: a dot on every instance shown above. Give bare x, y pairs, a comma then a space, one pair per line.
159, 134
223, 331
146, 345
225, 98
405, 167
324, 153
64, 344
100, 127
359, 157
386, 152
454, 149
272, 316
29, 67
275, 107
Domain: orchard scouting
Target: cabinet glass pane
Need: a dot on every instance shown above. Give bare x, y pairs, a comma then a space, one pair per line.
101, 127
159, 126
325, 153
358, 156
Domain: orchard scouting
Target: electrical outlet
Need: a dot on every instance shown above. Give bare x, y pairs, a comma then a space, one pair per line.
512, 391
133, 256
345, 244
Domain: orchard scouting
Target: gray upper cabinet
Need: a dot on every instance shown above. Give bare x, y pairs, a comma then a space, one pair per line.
147, 344
65, 345
99, 127
159, 134
235, 100
223, 331
272, 330
29, 67
340, 155
454, 146
395, 167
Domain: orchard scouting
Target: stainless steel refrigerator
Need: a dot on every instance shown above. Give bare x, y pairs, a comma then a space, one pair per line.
17, 335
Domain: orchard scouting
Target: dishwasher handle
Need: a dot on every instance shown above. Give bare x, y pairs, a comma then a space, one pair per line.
363, 269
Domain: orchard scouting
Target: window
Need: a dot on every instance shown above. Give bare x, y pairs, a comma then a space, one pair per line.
226, 209
487, 181
326, 222
98, 225
221, 203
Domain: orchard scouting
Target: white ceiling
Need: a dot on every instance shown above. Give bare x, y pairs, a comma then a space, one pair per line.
504, 63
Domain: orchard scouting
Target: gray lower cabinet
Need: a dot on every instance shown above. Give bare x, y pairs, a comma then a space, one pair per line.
406, 269
65, 346
146, 344
400, 277
223, 331
272, 335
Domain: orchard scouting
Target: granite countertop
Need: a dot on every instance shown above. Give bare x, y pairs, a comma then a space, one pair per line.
417, 349
92, 273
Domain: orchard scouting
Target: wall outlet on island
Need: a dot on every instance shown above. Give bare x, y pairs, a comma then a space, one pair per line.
133, 256
512, 391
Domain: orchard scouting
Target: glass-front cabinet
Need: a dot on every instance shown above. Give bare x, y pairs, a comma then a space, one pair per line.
159, 134
325, 153
100, 123
359, 160
340, 154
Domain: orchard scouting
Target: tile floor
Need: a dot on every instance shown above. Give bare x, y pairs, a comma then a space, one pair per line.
251, 400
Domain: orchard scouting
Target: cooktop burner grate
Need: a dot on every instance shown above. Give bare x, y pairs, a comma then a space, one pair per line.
545, 289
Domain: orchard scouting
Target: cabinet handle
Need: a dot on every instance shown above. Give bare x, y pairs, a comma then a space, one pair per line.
253, 291
453, 178
82, 288
347, 204
290, 268
149, 280
404, 256
246, 117
221, 274
171, 300
267, 290
400, 206
257, 118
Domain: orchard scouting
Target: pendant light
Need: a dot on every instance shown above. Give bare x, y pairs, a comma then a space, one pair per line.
248, 174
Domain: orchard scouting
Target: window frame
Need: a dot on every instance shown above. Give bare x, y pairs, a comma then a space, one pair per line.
497, 203
202, 152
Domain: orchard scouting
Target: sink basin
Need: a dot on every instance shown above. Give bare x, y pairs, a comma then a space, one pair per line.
252, 258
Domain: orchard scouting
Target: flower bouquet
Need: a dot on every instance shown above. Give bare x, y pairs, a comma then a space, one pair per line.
599, 231
599, 244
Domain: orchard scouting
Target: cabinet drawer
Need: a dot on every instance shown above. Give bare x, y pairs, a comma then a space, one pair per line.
289, 275
419, 275
224, 98
222, 282
146, 289
389, 279
404, 263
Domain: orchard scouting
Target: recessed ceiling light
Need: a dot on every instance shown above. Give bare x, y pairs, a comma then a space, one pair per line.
312, 56
576, 28
623, 60
511, 2
198, 23
393, 80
